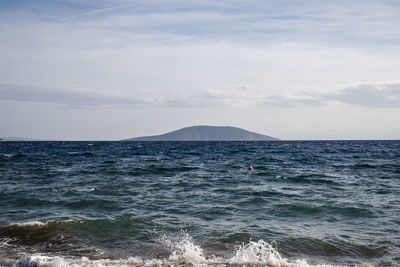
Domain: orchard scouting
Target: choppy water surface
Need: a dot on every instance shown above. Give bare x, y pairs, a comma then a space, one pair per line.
196, 203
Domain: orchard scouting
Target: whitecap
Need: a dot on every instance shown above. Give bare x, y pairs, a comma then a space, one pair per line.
258, 253
183, 249
39, 224
58, 261
184, 252
32, 223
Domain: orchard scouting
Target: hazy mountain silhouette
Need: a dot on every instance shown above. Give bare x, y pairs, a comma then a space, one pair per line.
207, 133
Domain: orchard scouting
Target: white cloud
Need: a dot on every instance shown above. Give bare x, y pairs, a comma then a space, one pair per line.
384, 94
114, 23
74, 97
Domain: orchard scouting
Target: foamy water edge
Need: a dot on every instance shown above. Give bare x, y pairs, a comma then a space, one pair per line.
184, 252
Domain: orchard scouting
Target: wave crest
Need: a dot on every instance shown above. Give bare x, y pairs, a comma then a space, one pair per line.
258, 253
38, 224
184, 252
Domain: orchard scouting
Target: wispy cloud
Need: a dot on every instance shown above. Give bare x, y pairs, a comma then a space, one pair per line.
95, 12
75, 97
373, 95
384, 94
339, 22
376, 95
260, 21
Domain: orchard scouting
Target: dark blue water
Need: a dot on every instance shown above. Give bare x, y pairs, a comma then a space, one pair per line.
182, 203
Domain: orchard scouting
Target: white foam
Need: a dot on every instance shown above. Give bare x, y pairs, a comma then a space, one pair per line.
184, 252
39, 224
4, 242
258, 253
56, 261
263, 253
33, 223
34, 261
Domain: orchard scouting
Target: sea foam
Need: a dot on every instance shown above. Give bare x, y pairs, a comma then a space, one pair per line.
184, 252
39, 224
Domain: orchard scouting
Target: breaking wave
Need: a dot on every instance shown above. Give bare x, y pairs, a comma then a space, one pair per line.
39, 224
183, 252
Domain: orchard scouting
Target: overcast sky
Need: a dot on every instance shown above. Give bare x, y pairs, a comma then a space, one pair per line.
114, 69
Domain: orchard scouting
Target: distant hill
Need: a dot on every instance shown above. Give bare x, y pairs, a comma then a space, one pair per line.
207, 133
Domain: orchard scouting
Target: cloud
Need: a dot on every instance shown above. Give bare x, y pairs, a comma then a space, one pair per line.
191, 21
375, 95
94, 12
86, 97
161, 22
384, 94
76, 97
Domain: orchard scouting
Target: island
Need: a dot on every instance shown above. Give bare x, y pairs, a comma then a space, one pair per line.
207, 133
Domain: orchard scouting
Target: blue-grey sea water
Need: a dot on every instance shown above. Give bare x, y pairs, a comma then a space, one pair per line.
197, 203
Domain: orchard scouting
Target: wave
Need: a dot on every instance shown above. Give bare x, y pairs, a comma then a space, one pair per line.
64, 243
184, 252
80, 153
39, 224
30, 224
35, 233
318, 210
313, 179
18, 155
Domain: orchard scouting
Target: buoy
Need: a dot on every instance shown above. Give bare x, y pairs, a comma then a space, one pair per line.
250, 168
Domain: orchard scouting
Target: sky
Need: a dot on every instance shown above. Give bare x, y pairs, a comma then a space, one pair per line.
116, 69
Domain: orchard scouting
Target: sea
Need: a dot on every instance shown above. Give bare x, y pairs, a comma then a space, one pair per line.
304, 203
